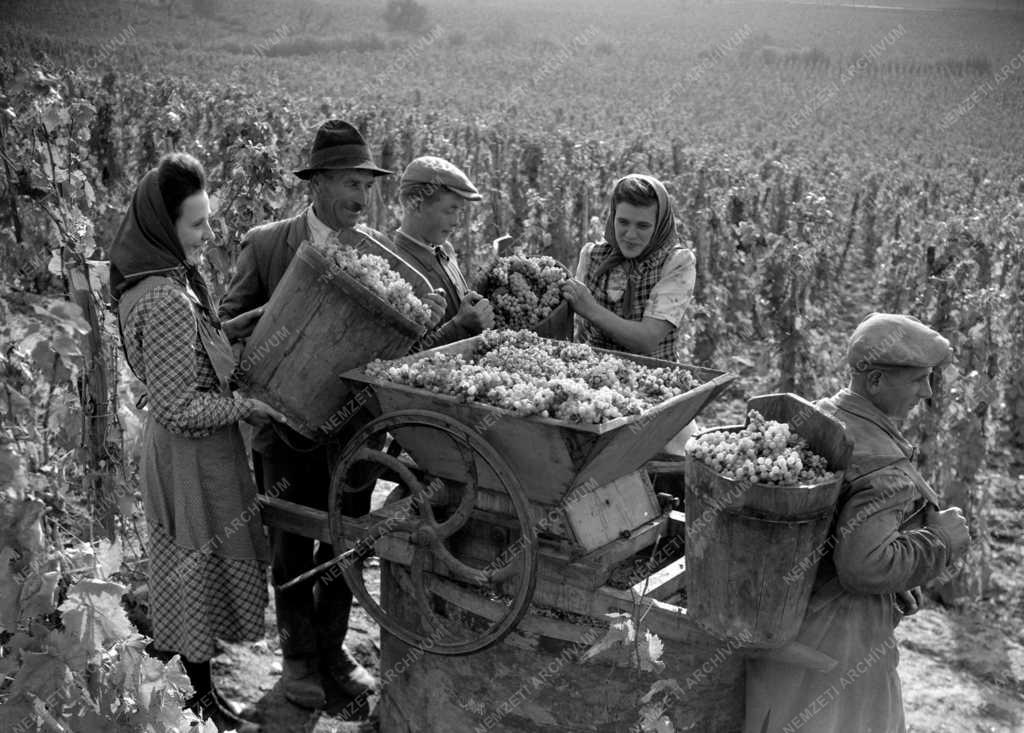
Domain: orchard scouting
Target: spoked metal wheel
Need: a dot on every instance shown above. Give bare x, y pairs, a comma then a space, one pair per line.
423, 515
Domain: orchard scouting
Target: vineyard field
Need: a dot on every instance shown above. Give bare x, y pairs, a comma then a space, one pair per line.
825, 160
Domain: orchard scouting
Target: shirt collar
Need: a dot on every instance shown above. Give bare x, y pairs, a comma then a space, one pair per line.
862, 407
318, 231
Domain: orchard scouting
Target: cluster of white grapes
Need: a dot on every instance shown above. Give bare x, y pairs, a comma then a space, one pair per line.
529, 375
523, 290
763, 452
375, 274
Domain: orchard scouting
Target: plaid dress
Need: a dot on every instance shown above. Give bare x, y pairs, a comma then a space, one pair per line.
206, 543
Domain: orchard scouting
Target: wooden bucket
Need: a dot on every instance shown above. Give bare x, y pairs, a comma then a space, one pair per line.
752, 550
319, 323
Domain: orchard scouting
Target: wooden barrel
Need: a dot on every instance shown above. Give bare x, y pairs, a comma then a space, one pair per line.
752, 550
319, 323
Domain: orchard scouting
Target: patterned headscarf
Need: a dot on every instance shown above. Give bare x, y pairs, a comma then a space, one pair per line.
664, 235
147, 244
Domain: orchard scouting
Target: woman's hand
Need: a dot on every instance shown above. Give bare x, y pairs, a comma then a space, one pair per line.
580, 298
242, 325
262, 413
436, 302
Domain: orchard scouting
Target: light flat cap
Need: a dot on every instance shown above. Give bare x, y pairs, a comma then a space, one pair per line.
890, 339
430, 169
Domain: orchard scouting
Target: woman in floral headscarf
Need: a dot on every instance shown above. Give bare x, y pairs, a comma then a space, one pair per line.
632, 288
207, 577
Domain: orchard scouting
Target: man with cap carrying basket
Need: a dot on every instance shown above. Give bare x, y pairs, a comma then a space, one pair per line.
312, 617
889, 538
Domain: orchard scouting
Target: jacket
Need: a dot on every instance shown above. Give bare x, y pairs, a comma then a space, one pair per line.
878, 545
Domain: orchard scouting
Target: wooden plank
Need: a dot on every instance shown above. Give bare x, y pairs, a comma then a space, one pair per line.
664, 583
600, 516
477, 544
297, 519
660, 466
615, 552
305, 521
531, 623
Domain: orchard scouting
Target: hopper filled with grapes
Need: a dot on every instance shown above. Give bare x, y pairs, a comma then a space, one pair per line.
526, 292
563, 415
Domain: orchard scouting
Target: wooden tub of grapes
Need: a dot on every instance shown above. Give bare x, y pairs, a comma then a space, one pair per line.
764, 516
514, 537
335, 308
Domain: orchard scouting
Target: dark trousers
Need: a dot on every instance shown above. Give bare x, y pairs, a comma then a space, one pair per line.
312, 617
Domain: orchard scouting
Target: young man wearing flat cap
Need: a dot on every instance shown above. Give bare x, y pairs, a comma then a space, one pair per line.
434, 194
312, 617
889, 538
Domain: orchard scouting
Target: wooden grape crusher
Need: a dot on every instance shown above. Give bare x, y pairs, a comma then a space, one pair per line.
505, 542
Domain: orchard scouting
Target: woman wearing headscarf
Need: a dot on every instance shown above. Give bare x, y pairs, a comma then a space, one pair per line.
207, 577
632, 288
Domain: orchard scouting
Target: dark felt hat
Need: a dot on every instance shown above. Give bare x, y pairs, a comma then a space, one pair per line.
338, 146
890, 339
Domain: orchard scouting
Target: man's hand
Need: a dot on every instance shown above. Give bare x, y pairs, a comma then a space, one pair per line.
263, 413
475, 313
436, 303
908, 602
579, 297
241, 326
951, 526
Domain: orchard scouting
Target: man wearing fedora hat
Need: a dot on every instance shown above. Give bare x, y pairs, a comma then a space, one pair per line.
889, 538
434, 195
312, 617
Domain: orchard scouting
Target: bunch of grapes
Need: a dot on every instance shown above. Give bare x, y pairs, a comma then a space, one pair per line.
523, 290
763, 452
529, 375
375, 274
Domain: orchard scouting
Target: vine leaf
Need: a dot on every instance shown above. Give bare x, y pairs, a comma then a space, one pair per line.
37, 595
669, 687
93, 614
42, 356
70, 315
650, 653
621, 631
109, 557
42, 674
65, 346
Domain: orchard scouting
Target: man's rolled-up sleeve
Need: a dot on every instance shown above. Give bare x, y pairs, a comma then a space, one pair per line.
872, 554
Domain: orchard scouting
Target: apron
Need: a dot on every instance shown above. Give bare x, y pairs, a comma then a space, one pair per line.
200, 491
